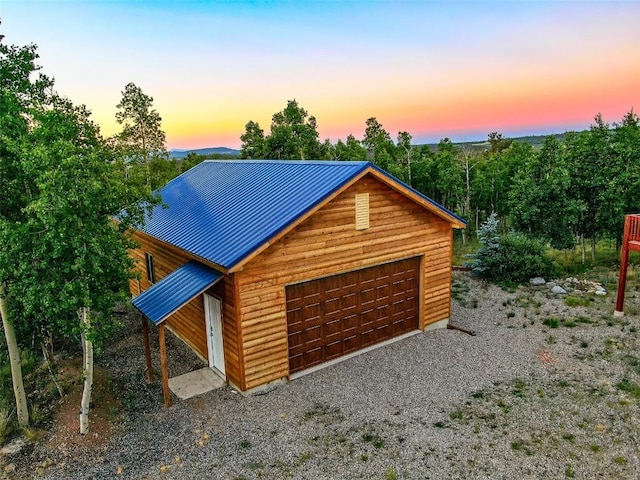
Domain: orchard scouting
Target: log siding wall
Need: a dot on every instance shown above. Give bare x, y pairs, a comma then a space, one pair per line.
326, 244
188, 323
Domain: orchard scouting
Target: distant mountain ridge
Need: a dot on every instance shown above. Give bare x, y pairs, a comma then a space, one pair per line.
479, 145
535, 140
182, 153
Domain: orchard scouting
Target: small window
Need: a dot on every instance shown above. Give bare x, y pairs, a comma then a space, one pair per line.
362, 211
150, 270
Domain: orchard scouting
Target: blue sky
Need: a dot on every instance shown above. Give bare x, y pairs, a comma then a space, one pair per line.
435, 69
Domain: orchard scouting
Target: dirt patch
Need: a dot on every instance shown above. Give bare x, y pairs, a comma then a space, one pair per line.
544, 356
105, 408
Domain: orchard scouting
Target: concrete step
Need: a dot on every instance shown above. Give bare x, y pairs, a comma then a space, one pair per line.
195, 383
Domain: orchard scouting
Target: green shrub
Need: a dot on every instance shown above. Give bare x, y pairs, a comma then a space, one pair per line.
574, 301
511, 258
630, 387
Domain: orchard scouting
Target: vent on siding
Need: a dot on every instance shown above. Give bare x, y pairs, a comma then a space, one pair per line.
362, 211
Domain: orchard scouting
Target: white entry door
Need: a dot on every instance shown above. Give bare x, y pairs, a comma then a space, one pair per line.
213, 318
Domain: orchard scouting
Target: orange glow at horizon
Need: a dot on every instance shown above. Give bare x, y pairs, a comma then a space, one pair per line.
433, 69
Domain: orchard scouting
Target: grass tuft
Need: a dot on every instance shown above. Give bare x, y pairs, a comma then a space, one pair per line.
575, 301
632, 388
5, 424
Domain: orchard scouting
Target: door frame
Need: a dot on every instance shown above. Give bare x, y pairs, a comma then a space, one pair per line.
215, 341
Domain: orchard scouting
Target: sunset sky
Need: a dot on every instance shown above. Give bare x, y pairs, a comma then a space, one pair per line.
434, 69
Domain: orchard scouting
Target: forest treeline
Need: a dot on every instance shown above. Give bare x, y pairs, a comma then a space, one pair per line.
566, 191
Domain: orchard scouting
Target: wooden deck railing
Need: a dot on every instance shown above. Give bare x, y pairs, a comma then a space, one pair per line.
632, 227
630, 241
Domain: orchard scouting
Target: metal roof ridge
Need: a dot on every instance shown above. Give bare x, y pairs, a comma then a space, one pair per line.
337, 163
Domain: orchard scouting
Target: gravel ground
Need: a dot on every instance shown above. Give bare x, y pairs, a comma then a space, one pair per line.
520, 399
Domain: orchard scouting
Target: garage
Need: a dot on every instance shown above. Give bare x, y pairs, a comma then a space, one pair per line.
337, 315
319, 259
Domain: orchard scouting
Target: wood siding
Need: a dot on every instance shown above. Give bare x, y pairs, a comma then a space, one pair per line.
225, 290
326, 244
188, 323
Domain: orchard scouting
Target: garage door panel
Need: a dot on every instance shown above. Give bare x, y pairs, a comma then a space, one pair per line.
382, 312
352, 344
313, 357
295, 339
400, 287
312, 334
350, 322
312, 310
368, 318
349, 301
296, 362
296, 320
368, 338
383, 292
334, 350
399, 307
312, 322
333, 305
333, 327
367, 297
334, 316
398, 325
294, 293
383, 332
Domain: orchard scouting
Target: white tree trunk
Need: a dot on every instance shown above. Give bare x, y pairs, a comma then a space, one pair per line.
22, 412
87, 370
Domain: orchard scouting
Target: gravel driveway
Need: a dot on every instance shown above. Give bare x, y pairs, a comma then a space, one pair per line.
521, 399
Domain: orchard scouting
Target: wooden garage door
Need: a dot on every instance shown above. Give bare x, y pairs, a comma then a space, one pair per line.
334, 316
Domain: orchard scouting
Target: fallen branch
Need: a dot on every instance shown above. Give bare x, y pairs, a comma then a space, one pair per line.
451, 326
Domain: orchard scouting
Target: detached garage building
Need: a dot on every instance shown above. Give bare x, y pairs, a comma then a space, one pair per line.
268, 268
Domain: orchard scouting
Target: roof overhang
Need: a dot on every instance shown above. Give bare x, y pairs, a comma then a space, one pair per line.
174, 248
176, 290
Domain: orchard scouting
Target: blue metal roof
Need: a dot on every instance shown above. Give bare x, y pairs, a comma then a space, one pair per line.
222, 211
175, 290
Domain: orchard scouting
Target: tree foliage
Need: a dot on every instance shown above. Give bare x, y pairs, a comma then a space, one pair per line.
352, 149
540, 198
23, 92
253, 145
64, 261
377, 141
69, 253
142, 140
294, 136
